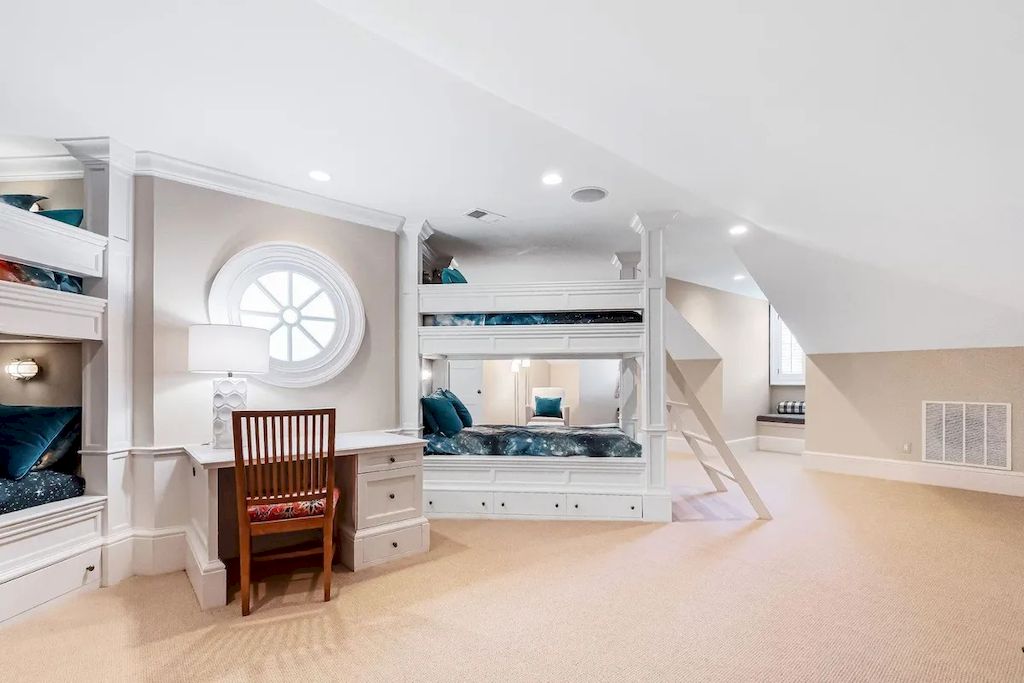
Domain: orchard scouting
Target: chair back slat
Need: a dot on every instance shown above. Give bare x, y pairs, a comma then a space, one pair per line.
284, 456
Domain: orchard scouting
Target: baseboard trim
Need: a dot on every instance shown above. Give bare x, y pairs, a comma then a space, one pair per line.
916, 472
209, 579
158, 551
780, 444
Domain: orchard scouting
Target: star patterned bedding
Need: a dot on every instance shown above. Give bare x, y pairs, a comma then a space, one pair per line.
511, 440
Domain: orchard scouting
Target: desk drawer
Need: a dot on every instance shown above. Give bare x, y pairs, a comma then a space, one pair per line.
378, 461
389, 496
391, 545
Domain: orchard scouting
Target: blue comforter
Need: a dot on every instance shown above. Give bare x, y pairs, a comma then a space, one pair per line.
607, 442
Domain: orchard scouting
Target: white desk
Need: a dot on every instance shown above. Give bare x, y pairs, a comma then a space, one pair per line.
381, 475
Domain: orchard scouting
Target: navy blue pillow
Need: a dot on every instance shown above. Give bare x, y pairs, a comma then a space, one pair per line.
451, 276
547, 407
460, 408
443, 413
26, 433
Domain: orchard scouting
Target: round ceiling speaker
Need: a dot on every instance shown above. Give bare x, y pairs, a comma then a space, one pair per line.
588, 195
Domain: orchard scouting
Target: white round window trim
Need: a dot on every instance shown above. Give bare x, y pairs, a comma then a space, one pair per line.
246, 267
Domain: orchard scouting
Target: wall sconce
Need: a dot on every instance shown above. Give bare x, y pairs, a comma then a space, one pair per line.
22, 368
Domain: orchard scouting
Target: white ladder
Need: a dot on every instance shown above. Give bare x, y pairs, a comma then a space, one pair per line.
711, 437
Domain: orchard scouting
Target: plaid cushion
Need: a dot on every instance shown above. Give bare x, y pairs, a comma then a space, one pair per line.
791, 408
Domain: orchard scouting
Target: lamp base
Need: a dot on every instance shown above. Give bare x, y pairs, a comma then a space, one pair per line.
229, 393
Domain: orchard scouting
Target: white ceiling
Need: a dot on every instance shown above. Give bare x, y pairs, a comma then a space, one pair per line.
883, 134
274, 89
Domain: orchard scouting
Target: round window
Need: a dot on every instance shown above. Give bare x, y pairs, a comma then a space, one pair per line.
308, 303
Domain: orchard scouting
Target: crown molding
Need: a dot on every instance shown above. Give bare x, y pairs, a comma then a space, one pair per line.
15, 169
181, 171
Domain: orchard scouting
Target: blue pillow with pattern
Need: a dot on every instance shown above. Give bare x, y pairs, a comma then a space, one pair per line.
452, 276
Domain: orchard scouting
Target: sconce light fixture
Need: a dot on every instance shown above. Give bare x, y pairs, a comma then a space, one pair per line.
22, 368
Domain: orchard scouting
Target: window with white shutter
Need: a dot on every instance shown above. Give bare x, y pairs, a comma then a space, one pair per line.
787, 357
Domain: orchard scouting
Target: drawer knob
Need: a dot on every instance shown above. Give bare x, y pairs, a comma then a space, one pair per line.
91, 568
391, 496
556, 504
430, 502
502, 505
632, 507
392, 458
577, 506
484, 503
394, 544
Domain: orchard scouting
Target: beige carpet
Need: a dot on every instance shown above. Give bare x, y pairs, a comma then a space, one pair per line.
855, 580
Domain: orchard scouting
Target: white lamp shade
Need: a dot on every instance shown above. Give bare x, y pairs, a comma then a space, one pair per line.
228, 348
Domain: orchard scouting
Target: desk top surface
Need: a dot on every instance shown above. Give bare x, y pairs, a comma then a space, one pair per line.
346, 443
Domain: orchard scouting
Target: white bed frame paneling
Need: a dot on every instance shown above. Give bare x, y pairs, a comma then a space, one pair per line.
56, 549
535, 297
601, 339
29, 238
579, 487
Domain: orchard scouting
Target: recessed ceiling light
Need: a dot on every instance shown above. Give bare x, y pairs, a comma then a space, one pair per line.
738, 230
321, 176
737, 278
551, 178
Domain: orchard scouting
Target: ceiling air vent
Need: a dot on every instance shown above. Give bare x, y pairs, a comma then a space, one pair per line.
961, 433
589, 195
485, 216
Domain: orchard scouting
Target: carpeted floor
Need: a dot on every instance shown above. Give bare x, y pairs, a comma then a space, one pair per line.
855, 580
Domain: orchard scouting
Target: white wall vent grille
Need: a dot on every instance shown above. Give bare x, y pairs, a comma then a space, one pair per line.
975, 434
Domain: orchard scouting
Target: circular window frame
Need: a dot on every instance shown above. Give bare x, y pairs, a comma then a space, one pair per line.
252, 263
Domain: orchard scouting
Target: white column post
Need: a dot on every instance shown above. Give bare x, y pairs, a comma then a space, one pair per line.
653, 409
410, 268
107, 374
626, 262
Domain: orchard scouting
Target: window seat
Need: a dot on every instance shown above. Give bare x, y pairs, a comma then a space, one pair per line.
782, 419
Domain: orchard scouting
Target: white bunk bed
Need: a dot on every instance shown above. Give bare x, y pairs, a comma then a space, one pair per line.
52, 550
577, 487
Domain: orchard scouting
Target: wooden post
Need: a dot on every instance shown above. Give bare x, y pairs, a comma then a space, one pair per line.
653, 415
410, 268
107, 374
627, 262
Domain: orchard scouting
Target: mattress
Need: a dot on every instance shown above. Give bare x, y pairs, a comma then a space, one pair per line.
512, 440
556, 318
39, 488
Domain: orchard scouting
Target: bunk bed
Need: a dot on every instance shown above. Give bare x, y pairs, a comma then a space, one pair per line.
515, 472
54, 525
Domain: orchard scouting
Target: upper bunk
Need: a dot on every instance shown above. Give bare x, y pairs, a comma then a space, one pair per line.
43, 262
577, 318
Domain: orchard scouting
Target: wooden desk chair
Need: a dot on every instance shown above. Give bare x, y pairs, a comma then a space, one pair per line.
284, 481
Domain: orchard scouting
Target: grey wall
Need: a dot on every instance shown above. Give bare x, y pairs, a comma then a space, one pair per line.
59, 382
187, 236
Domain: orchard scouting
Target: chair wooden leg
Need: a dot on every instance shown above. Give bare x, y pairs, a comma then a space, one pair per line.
244, 562
328, 560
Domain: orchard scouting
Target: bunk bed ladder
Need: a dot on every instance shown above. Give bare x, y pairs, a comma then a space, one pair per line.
711, 438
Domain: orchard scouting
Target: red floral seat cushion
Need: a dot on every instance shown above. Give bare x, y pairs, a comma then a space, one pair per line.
304, 508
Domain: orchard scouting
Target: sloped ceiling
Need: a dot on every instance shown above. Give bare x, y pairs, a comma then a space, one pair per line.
875, 145
273, 89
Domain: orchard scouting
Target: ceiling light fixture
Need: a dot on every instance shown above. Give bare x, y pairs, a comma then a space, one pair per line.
551, 178
738, 230
589, 195
737, 278
320, 176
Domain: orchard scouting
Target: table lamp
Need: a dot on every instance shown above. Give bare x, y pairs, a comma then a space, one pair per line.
227, 349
